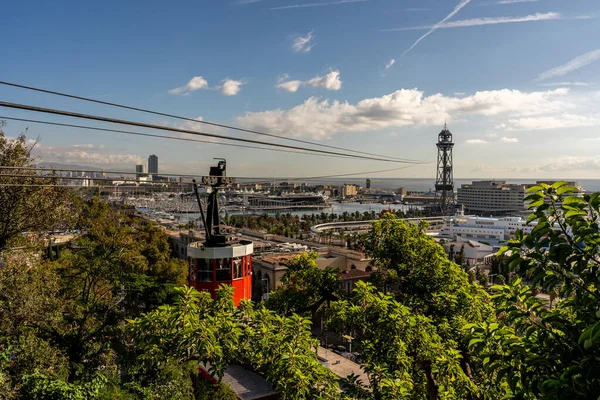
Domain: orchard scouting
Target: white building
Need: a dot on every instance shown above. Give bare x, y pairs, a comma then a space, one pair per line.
499, 197
474, 251
490, 230
492, 197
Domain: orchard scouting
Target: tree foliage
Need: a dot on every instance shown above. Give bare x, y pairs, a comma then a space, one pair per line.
61, 321
402, 351
27, 208
434, 291
216, 334
541, 352
305, 287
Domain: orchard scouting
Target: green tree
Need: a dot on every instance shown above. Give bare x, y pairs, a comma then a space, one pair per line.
546, 353
216, 334
416, 270
27, 298
27, 208
402, 351
305, 287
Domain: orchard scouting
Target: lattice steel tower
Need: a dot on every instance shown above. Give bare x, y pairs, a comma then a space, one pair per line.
444, 182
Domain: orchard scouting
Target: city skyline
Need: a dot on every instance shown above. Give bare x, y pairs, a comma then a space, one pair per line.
515, 80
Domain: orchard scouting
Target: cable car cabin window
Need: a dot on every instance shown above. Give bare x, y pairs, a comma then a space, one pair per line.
237, 268
205, 273
223, 269
192, 269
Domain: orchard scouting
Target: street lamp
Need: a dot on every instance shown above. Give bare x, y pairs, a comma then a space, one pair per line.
349, 339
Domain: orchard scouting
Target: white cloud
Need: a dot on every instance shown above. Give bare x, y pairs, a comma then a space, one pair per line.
526, 169
321, 4
459, 93
568, 163
331, 81
561, 164
487, 21
565, 84
230, 87
303, 43
390, 63
508, 139
546, 122
573, 65
243, 2
290, 86
89, 146
190, 125
475, 141
480, 168
458, 7
492, 135
194, 84
86, 155
406, 107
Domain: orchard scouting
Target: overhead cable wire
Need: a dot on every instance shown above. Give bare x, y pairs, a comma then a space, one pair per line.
165, 128
161, 136
60, 177
91, 171
347, 174
50, 185
88, 99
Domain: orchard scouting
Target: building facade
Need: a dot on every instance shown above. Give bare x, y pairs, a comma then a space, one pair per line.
492, 197
348, 190
139, 171
153, 165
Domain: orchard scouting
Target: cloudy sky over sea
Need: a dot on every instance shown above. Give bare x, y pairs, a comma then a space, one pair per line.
517, 81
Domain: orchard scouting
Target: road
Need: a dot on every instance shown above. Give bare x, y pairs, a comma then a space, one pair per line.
341, 366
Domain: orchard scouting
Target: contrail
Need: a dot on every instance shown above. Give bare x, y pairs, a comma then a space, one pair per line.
436, 26
576, 63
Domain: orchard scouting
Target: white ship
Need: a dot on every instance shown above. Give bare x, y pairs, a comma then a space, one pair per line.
491, 230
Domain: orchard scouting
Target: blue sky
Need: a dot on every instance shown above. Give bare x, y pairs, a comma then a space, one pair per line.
518, 81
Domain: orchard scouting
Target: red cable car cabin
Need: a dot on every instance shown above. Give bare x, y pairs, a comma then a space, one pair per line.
211, 267
219, 260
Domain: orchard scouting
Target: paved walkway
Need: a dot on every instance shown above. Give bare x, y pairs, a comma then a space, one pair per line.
341, 366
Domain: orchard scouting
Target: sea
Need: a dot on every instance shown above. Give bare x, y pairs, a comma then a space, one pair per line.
427, 184
335, 208
411, 184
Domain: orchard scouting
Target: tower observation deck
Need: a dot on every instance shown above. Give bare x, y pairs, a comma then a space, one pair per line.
444, 182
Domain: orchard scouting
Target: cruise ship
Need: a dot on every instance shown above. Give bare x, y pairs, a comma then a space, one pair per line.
491, 230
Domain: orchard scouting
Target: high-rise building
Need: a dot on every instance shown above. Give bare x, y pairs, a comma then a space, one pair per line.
139, 170
368, 184
153, 165
492, 197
